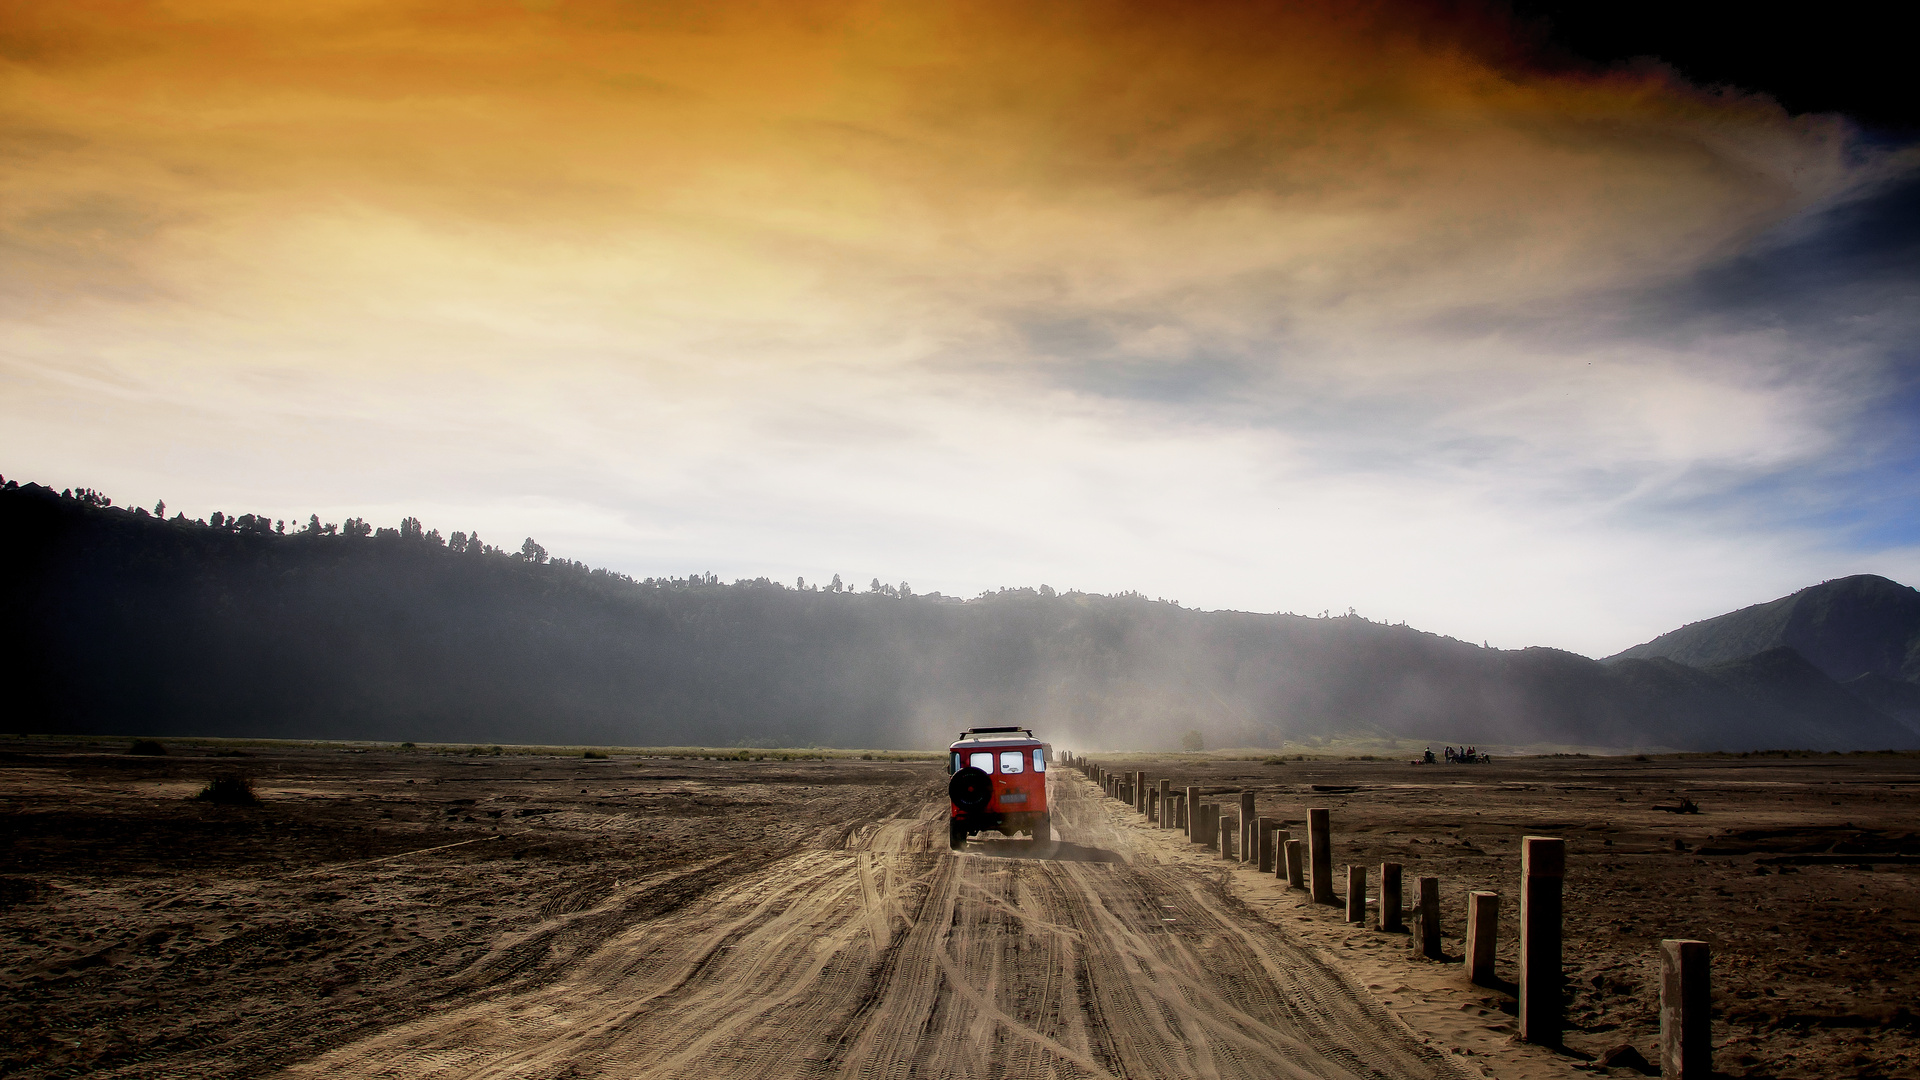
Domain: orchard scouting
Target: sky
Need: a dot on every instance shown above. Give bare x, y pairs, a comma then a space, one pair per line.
1405, 309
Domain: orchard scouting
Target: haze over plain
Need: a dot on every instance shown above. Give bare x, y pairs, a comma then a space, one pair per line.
1257, 308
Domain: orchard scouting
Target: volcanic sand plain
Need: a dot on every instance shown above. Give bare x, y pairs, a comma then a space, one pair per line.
410, 913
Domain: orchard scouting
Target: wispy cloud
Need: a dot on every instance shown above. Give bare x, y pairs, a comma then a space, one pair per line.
1290, 309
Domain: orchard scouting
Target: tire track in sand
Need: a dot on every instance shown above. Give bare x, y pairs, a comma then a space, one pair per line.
895, 958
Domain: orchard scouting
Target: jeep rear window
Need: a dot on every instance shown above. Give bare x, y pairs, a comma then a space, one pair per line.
1013, 761
1039, 761
983, 762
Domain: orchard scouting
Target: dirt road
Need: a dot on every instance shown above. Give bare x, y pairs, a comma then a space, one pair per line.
392, 911
893, 957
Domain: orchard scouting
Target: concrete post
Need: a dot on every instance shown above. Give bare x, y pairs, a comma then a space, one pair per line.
1425, 938
1543, 871
1280, 839
1249, 836
1483, 929
1192, 808
1269, 828
1686, 1009
1180, 811
1213, 824
1296, 868
1140, 791
1166, 791
1391, 902
1320, 855
1229, 843
1356, 893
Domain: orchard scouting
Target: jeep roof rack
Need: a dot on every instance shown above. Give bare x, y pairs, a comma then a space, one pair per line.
994, 731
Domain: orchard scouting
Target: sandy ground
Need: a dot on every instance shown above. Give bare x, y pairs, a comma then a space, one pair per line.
1803, 874
415, 914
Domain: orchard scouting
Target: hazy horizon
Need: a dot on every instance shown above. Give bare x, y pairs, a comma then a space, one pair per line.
1258, 309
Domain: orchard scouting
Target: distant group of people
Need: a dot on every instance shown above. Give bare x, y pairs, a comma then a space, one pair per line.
1466, 755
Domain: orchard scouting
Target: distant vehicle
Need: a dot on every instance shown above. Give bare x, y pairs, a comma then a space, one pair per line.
999, 782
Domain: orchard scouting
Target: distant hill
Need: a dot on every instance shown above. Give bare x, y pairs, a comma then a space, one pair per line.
1862, 632
1847, 628
115, 621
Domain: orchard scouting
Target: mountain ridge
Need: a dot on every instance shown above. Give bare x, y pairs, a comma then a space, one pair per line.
115, 621
1846, 627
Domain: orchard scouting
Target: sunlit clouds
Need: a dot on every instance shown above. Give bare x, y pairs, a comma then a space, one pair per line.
1253, 306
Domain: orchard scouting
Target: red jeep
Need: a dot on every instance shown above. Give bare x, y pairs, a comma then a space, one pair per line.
999, 782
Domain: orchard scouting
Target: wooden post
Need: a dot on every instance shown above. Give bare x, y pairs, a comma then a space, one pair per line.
1166, 792
1686, 1009
1483, 929
1228, 842
1356, 893
1425, 938
1543, 871
1391, 902
1140, 791
1269, 828
1180, 811
1296, 870
1249, 835
1280, 839
1320, 855
1192, 809
1209, 824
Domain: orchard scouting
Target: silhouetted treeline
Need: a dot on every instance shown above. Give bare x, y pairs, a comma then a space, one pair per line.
123, 621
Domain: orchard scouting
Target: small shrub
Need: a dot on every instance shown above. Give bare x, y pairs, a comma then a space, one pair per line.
1275, 761
406, 746
595, 755
147, 748
229, 791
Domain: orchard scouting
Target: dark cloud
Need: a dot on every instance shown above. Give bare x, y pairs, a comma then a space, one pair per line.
1848, 56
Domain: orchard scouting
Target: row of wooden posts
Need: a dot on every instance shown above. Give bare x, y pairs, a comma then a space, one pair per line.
1685, 1000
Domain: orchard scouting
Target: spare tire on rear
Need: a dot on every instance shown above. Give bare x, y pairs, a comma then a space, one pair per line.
970, 788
